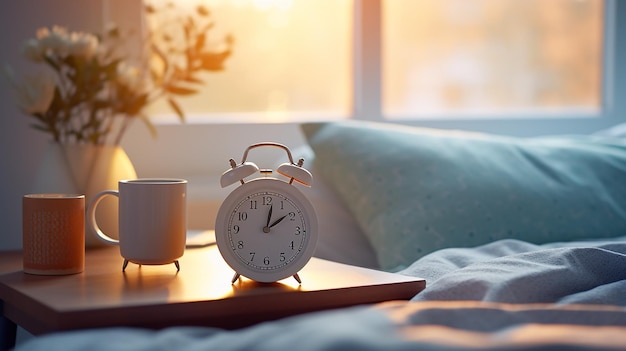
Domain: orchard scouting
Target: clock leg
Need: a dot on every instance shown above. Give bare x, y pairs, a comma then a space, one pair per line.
124, 265
235, 277
177, 265
297, 277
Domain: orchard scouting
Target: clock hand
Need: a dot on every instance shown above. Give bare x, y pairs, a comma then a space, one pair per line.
278, 221
269, 216
267, 227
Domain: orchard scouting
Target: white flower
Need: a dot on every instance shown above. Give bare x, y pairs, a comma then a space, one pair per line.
131, 77
61, 43
42, 33
34, 92
54, 42
82, 45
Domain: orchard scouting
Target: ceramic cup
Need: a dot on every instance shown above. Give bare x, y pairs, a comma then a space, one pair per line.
53, 233
152, 220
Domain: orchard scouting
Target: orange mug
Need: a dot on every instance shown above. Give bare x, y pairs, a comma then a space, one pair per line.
53, 233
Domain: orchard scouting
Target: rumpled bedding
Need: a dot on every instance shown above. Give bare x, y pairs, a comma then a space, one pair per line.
513, 271
506, 295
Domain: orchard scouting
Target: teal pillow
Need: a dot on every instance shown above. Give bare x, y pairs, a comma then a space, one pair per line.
416, 190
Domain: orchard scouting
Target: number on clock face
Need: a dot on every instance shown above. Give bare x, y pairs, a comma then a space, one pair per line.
266, 230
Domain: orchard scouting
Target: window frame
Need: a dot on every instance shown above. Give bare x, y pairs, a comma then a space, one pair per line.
367, 87
368, 83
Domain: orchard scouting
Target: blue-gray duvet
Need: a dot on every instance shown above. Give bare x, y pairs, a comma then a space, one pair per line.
507, 295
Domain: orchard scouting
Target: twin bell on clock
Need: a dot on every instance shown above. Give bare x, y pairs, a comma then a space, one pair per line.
266, 229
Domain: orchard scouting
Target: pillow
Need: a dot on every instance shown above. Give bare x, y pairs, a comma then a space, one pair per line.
340, 237
416, 190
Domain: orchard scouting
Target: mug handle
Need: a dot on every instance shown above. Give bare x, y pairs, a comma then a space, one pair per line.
91, 216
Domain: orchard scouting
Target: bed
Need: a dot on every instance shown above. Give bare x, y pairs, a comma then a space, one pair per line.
522, 243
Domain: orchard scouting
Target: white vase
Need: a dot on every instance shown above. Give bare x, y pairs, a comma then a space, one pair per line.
86, 169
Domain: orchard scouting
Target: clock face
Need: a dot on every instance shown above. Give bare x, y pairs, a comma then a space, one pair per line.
266, 230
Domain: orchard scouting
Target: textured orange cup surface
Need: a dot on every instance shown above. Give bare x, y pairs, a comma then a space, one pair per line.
53, 233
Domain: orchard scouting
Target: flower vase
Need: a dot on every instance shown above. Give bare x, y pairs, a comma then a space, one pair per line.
86, 169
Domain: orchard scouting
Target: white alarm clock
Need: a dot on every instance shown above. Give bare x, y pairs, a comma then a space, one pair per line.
266, 229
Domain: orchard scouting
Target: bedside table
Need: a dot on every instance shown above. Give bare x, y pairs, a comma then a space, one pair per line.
200, 294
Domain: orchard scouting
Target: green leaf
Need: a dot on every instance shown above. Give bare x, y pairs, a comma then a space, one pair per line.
200, 42
57, 101
110, 70
136, 105
203, 11
179, 90
114, 32
159, 54
187, 29
192, 79
229, 39
214, 61
51, 63
207, 27
177, 109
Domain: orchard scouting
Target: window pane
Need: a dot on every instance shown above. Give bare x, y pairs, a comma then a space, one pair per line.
291, 58
464, 57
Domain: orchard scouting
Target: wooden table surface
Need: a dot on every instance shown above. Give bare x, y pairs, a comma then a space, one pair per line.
201, 293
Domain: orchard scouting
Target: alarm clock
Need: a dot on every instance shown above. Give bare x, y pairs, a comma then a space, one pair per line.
266, 229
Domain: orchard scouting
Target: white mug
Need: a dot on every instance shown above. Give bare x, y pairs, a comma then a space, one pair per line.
152, 220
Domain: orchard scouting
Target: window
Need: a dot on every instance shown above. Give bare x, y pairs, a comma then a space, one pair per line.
491, 57
291, 60
405, 60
